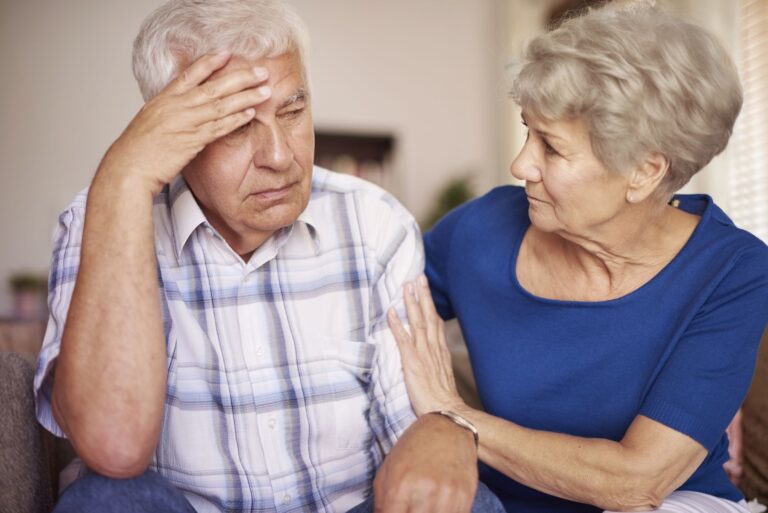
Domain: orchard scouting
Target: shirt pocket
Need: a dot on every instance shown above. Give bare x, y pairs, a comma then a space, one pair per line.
349, 381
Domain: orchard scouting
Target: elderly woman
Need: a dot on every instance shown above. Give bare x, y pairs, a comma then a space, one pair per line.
612, 326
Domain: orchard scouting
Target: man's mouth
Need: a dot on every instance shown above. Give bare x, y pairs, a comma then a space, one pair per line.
275, 193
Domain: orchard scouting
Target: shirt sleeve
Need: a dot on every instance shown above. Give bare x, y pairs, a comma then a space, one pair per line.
61, 282
398, 257
707, 376
437, 248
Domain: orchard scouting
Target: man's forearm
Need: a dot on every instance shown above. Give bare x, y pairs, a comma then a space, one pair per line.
110, 376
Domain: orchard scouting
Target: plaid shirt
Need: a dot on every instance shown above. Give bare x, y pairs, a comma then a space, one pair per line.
285, 387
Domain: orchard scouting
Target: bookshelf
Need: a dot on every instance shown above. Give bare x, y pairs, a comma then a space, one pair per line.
367, 155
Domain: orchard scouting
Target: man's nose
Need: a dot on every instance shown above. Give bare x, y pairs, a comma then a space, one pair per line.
526, 165
272, 148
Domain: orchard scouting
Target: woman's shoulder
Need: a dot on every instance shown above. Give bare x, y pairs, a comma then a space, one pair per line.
479, 223
718, 233
728, 257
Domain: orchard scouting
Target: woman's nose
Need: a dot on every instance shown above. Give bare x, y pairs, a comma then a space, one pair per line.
526, 166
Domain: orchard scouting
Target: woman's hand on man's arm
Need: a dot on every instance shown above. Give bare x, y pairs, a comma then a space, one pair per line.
634, 474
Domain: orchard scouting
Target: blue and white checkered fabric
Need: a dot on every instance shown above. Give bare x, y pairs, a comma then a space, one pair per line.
285, 387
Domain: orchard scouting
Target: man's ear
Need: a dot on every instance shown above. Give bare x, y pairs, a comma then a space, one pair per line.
646, 177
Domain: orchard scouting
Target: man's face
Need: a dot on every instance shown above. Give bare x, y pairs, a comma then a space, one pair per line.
257, 179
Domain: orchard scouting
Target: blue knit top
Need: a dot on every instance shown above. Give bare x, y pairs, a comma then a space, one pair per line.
680, 349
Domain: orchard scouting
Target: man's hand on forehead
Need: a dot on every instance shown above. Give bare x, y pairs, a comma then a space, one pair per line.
195, 109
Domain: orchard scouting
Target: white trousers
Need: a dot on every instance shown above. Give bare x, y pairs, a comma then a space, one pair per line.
697, 502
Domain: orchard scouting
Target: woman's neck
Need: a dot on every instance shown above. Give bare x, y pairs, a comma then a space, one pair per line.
611, 262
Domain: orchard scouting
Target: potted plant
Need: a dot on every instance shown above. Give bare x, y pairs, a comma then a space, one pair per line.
455, 192
29, 295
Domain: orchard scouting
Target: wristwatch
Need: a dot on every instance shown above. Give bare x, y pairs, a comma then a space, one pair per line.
460, 421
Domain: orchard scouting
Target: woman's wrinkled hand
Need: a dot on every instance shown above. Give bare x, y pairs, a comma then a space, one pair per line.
424, 351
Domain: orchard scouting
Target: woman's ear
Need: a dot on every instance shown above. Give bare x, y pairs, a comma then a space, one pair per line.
646, 177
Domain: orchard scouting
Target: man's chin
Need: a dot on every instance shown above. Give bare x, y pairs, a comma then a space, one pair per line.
273, 218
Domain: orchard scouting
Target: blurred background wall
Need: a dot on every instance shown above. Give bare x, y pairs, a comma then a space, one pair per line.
430, 73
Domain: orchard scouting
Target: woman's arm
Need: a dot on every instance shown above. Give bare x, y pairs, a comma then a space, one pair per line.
634, 474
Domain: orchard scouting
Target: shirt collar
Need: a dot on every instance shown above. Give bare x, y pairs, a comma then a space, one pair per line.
185, 212
188, 216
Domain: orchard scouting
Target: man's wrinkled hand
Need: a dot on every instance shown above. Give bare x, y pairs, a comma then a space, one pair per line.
190, 113
432, 468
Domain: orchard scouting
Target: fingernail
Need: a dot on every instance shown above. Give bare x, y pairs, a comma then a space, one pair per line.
250, 111
423, 281
264, 90
260, 73
409, 289
223, 53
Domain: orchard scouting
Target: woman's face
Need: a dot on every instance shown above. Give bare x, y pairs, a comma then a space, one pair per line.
569, 190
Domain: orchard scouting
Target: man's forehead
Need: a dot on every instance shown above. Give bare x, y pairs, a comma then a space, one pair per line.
281, 68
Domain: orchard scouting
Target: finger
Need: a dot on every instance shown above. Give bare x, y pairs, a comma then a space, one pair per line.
231, 104
425, 298
401, 335
226, 85
415, 317
428, 311
223, 126
197, 72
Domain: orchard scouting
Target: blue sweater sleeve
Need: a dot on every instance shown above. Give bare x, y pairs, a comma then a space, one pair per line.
706, 377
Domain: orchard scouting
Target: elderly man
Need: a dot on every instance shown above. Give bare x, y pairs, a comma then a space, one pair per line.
217, 306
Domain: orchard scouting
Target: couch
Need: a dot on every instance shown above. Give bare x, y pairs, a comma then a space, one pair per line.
31, 458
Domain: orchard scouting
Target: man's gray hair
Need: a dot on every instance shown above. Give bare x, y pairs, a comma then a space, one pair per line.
642, 80
181, 31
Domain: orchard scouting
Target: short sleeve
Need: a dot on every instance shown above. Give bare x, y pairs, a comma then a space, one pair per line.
397, 254
707, 376
61, 282
437, 249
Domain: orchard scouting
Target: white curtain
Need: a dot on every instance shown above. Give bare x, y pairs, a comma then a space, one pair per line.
748, 179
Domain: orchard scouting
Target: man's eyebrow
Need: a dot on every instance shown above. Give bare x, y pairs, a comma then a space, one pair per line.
299, 96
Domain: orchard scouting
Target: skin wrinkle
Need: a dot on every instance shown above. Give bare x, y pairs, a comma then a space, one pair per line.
229, 176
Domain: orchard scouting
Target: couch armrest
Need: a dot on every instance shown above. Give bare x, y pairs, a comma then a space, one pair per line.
24, 473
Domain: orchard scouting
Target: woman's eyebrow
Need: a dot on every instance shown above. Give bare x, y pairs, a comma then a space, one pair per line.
548, 135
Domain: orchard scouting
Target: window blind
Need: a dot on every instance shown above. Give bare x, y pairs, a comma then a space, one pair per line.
749, 178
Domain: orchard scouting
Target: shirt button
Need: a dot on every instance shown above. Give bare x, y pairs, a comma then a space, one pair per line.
271, 425
286, 499
259, 351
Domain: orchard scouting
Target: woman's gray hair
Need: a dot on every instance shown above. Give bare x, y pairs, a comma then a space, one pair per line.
181, 31
642, 80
